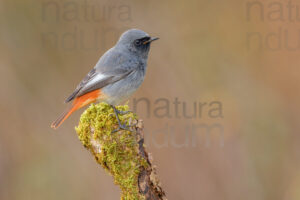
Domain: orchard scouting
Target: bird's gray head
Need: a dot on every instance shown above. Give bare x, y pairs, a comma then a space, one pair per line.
136, 41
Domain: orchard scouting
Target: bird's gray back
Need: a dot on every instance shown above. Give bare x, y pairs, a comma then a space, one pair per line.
116, 59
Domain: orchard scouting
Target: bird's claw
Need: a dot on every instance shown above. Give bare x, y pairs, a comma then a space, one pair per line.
123, 127
121, 112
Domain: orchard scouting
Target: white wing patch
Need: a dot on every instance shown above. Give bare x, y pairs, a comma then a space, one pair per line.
96, 79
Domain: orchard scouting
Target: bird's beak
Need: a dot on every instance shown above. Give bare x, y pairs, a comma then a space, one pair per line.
151, 40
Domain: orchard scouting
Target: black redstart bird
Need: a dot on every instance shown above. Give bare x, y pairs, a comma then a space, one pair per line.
116, 76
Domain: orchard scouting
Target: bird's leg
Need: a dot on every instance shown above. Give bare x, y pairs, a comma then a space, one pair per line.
124, 112
121, 112
121, 126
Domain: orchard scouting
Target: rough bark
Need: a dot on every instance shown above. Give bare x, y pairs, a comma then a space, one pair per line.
149, 184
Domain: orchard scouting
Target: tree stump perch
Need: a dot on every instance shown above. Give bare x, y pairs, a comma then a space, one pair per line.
122, 154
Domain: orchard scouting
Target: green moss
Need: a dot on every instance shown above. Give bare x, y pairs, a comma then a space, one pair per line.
116, 152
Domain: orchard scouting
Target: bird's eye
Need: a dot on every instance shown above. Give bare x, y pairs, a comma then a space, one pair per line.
137, 42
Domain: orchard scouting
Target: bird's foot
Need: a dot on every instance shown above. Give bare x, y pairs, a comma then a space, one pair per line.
121, 112
122, 126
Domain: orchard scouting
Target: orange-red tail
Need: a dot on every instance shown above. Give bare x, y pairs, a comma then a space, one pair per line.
79, 102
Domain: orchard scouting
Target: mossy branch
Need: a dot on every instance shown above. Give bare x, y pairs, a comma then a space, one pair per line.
121, 154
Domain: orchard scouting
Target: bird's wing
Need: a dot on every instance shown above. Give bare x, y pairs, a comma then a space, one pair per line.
86, 79
96, 80
113, 66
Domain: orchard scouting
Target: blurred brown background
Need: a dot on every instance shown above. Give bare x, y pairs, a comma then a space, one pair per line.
242, 54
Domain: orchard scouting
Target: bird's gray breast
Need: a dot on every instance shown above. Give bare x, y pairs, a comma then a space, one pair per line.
124, 88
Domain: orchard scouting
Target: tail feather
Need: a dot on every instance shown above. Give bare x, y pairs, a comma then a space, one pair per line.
79, 102
63, 117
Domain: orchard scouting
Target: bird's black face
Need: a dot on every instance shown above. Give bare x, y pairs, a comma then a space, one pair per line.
136, 41
143, 44
141, 41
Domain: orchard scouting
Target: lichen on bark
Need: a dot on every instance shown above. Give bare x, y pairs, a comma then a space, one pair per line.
119, 153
